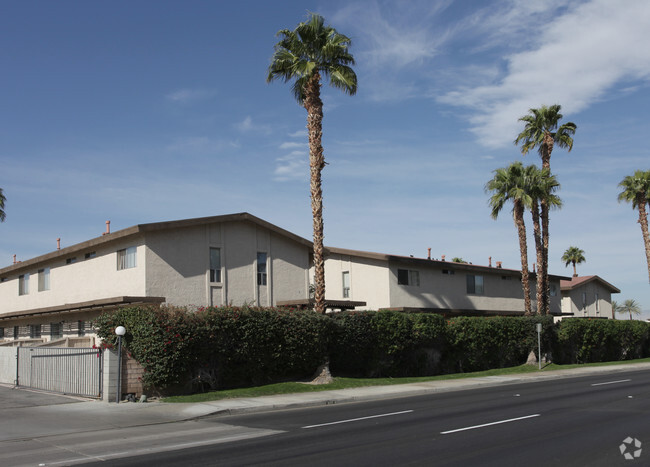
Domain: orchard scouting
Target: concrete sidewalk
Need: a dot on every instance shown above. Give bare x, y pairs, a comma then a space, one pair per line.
76, 416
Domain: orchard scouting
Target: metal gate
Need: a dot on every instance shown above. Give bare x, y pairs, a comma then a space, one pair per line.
76, 371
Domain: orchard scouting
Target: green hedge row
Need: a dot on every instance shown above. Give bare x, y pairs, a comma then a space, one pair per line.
223, 347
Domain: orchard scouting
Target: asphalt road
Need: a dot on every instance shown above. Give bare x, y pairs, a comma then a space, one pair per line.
568, 422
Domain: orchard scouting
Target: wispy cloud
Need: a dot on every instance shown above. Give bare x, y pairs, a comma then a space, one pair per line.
579, 56
292, 166
187, 96
200, 145
247, 125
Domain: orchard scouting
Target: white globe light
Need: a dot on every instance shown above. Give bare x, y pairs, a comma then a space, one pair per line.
120, 330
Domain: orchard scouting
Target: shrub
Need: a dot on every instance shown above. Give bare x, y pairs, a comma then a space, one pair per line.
386, 343
598, 340
479, 343
161, 339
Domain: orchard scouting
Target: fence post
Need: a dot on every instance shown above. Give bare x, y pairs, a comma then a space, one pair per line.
109, 382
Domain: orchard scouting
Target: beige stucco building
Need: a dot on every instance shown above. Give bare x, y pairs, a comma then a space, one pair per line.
408, 283
587, 296
236, 259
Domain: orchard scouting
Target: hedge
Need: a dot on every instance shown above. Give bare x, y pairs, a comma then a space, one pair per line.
214, 348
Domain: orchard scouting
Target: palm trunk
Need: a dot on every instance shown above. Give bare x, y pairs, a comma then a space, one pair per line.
539, 293
518, 214
643, 221
314, 107
547, 149
544, 265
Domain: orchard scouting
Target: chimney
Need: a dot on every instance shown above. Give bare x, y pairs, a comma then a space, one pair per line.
499, 264
428, 253
108, 228
490, 261
14, 259
58, 243
443, 257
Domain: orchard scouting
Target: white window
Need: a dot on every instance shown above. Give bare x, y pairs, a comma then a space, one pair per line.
43, 279
261, 268
597, 304
23, 284
346, 284
126, 258
408, 277
475, 284
215, 265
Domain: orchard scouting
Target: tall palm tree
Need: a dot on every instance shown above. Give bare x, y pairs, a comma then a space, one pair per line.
541, 131
3, 216
616, 308
304, 55
630, 306
636, 189
573, 255
542, 186
509, 184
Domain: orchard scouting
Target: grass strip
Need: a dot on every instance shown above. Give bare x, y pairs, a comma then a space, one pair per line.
345, 383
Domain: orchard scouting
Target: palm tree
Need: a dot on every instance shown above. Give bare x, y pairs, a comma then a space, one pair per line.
542, 186
3, 216
630, 306
636, 189
616, 308
303, 55
509, 184
573, 255
541, 131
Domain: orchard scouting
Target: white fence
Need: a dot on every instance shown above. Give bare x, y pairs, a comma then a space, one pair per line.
8, 361
75, 371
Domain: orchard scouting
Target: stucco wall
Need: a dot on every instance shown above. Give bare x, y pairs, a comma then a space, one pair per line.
368, 280
502, 291
572, 301
83, 280
178, 264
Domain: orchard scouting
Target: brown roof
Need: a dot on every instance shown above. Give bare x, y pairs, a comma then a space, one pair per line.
100, 304
574, 282
152, 227
431, 262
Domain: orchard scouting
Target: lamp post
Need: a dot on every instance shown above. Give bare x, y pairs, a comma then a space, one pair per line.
120, 331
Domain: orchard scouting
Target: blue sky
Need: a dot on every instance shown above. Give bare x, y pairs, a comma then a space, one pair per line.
145, 111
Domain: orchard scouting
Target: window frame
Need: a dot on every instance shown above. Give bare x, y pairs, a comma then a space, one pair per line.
23, 284
35, 331
345, 281
44, 279
262, 274
215, 267
127, 258
408, 277
473, 286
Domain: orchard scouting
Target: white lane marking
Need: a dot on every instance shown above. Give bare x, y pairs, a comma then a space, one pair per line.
489, 424
612, 382
359, 419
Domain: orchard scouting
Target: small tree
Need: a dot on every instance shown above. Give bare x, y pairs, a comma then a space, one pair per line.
630, 306
573, 255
